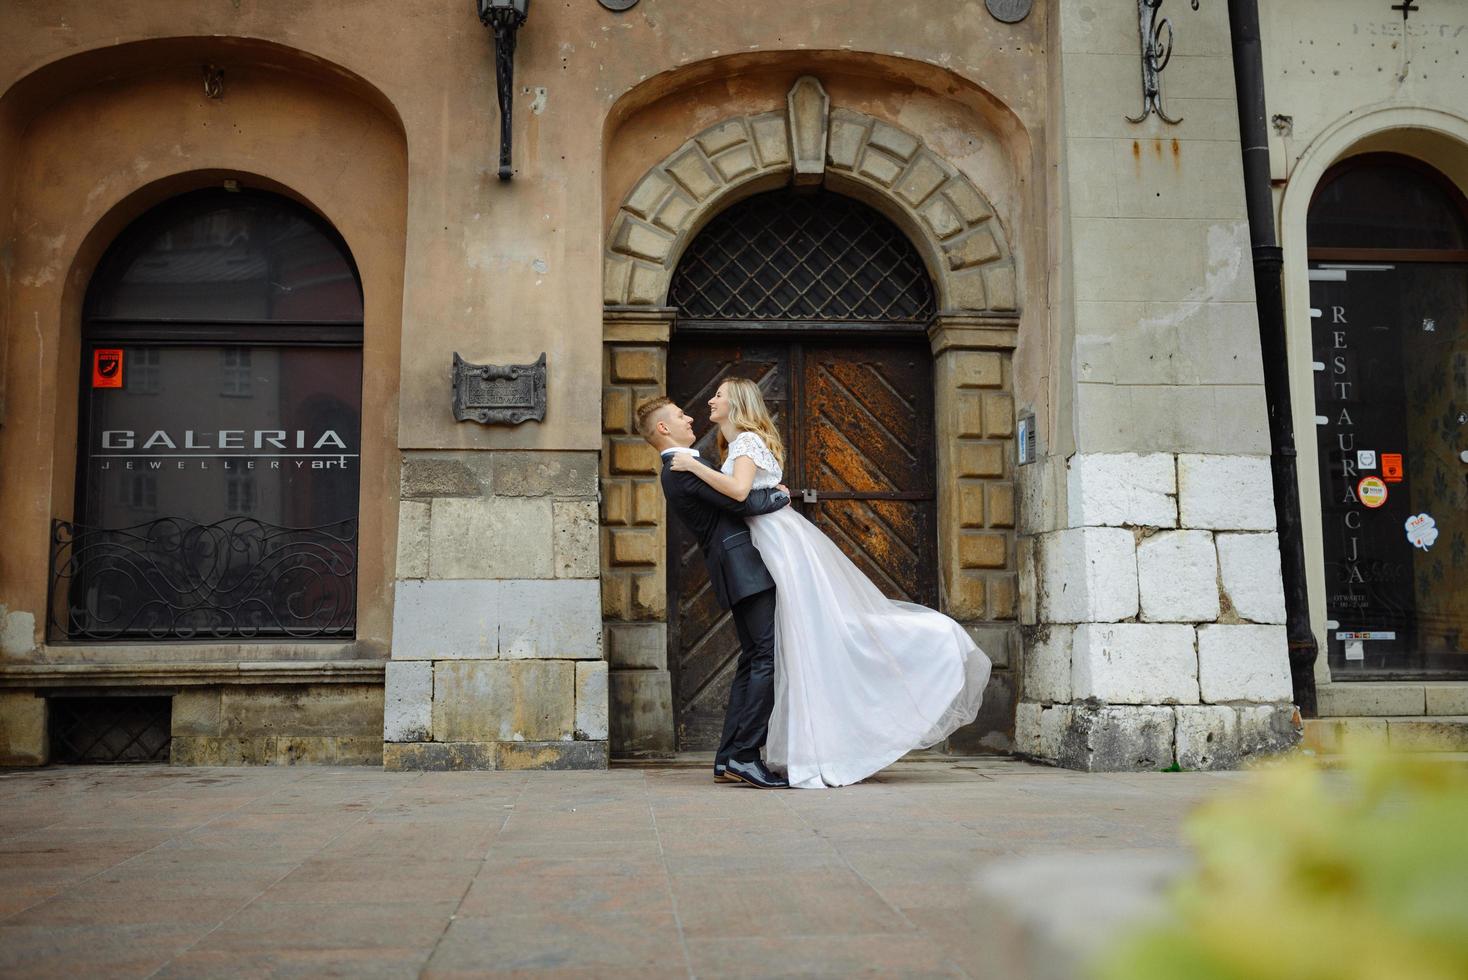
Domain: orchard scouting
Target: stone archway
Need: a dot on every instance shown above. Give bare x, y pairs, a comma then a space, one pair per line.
941, 210
969, 257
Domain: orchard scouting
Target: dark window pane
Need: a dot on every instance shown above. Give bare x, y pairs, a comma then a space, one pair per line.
1386, 204
227, 257
221, 497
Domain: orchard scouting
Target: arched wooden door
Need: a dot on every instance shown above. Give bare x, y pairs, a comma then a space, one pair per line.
826, 304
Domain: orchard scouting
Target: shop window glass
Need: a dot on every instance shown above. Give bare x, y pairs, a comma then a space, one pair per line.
1389, 298
217, 487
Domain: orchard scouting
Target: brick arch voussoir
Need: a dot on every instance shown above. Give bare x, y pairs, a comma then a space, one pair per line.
969, 256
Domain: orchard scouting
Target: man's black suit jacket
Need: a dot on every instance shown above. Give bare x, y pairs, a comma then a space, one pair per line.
735, 568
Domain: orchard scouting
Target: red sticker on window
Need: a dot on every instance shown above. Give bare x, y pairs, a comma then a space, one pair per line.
107, 367
1391, 467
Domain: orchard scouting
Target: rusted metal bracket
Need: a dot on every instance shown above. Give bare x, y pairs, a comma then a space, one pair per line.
1157, 37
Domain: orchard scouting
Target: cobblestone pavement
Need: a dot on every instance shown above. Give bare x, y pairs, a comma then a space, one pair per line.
156, 871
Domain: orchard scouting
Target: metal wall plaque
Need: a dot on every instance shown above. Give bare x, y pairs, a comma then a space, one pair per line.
1009, 11
499, 394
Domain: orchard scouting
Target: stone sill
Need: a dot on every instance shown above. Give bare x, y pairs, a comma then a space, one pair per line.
142, 653
1379, 699
167, 675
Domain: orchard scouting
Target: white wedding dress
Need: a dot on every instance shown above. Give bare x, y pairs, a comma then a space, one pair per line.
860, 680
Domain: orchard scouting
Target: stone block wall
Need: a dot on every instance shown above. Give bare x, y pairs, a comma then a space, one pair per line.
497, 639
634, 536
1156, 632
973, 391
327, 724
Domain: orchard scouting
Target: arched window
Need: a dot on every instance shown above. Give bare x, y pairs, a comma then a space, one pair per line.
219, 442
1388, 240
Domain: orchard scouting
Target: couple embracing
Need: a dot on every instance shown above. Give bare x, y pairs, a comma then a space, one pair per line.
834, 680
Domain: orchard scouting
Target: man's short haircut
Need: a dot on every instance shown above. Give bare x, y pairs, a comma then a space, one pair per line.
647, 414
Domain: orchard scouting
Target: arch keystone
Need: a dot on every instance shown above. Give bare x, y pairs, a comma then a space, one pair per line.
809, 107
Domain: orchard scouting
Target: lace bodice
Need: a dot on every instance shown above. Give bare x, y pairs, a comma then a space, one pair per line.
767, 472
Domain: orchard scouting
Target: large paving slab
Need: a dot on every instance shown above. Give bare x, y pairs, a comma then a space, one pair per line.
198, 872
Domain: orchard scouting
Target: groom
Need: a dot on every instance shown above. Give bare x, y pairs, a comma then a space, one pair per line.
741, 584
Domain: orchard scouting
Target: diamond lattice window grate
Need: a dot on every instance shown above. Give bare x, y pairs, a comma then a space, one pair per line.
785, 256
110, 729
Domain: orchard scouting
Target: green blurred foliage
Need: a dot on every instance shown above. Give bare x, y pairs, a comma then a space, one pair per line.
1359, 873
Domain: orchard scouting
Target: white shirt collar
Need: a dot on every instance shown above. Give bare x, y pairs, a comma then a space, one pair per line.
679, 449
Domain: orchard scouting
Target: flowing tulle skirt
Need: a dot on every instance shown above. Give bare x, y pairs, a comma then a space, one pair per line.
860, 680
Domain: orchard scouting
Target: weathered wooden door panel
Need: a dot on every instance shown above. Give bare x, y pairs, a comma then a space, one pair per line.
868, 453
702, 642
857, 420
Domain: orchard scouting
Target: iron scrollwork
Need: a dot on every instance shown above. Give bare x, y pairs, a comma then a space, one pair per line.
175, 579
507, 394
1157, 39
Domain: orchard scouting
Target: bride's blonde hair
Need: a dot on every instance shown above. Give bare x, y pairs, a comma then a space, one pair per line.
747, 413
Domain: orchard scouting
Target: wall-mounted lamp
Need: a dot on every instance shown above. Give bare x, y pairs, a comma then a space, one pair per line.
504, 17
1156, 33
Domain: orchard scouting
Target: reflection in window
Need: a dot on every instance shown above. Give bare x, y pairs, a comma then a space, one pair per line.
143, 371
236, 371
239, 494
138, 492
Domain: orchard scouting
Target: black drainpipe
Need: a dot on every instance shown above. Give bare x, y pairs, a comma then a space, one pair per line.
1268, 261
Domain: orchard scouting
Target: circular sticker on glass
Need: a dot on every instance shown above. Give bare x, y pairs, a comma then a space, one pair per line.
1371, 491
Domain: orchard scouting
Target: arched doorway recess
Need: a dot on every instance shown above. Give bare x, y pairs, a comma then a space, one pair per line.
219, 430
1388, 269
966, 255
825, 304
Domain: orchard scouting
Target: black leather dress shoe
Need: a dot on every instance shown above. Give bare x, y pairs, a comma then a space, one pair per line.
722, 774
755, 774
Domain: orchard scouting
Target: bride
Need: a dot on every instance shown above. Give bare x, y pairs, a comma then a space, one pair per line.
860, 680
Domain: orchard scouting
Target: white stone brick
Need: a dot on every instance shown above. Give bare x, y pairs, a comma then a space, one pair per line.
1087, 575
407, 714
1054, 723
1047, 667
1027, 728
1117, 738
558, 619
591, 700
491, 538
1226, 493
1249, 566
446, 620
1134, 663
1122, 488
1243, 663
413, 523
1177, 575
1207, 736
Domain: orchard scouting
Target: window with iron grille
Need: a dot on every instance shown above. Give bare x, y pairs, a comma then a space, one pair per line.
217, 488
803, 256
